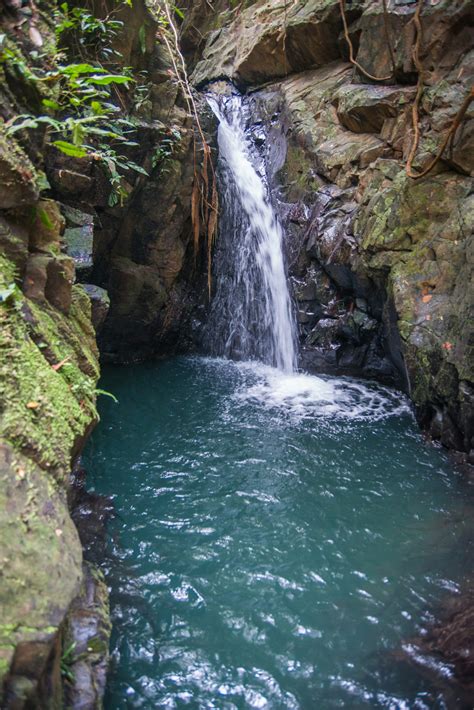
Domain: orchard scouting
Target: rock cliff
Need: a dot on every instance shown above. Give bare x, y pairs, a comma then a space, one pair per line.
381, 263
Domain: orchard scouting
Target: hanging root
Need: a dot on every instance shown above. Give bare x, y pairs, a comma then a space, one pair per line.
342, 5
419, 90
447, 141
204, 198
451, 133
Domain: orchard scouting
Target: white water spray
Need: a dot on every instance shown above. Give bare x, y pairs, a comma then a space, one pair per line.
252, 297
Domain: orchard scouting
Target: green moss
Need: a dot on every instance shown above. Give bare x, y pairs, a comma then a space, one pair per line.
45, 413
41, 564
46, 410
297, 174
42, 414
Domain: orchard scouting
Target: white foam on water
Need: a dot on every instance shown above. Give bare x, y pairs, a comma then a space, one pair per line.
301, 396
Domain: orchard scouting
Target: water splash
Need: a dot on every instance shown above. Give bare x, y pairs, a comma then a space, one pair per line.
251, 316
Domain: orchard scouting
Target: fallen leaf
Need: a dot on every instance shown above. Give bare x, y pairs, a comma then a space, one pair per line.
60, 364
427, 298
32, 405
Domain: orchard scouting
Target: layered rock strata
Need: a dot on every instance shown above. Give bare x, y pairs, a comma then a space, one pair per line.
381, 263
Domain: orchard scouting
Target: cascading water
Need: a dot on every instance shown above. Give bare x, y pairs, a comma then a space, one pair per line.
251, 316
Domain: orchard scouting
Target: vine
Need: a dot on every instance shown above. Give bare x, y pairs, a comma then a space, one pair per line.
204, 199
450, 135
451, 132
342, 5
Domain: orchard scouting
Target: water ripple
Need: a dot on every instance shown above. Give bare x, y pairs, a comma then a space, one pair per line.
277, 539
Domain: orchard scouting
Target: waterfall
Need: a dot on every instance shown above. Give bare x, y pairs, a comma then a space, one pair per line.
251, 316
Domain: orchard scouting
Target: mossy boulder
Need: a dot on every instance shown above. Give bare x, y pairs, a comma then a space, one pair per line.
17, 176
48, 374
41, 575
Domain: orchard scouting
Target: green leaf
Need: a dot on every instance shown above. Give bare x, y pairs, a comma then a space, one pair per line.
137, 168
179, 12
78, 134
107, 394
45, 220
42, 182
97, 108
7, 293
76, 69
50, 122
28, 122
31, 122
74, 151
104, 79
102, 132
142, 38
51, 104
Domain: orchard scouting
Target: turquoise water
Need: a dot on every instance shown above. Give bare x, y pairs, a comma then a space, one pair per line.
277, 539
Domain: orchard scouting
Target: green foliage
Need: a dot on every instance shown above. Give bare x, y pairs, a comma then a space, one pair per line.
79, 86
67, 659
80, 99
165, 150
107, 394
8, 293
89, 33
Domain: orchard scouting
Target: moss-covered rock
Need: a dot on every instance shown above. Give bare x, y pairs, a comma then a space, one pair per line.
48, 374
41, 572
17, 176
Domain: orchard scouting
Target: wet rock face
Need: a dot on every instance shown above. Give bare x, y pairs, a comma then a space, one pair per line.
265, 42
48, 373
381, 264
86, 640
143, 253
34, 595
344, 317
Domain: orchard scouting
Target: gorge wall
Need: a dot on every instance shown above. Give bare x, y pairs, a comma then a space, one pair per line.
66, 230
381, 263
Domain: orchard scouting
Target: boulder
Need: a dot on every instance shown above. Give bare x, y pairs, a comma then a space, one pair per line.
87, 636
100, 303
17, 176
59, 283
34, 597
46, 227
363, 108
269, 40
36, 276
